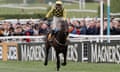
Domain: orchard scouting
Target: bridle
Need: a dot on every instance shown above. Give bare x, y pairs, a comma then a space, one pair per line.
60, 43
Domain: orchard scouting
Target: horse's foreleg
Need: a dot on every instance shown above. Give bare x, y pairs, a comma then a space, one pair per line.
47, 52
58, 61
65, 57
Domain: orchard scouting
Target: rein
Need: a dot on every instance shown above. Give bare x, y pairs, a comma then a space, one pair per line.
60, 43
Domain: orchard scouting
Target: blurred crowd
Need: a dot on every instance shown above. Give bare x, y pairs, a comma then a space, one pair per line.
28, 29
92, 27
80, 27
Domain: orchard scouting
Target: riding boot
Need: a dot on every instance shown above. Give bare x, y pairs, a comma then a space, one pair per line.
49, 36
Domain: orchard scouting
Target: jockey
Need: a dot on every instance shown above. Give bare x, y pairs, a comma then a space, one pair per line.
58, 13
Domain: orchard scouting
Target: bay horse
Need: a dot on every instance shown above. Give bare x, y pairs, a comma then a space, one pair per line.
59, 44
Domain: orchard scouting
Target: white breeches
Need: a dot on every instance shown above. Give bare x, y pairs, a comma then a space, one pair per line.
55, 23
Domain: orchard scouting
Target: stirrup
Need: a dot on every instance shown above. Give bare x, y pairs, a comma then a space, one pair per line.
50, 40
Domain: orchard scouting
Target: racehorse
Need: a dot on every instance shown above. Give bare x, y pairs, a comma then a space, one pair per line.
59, 44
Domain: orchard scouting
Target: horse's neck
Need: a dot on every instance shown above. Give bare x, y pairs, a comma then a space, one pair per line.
60, 37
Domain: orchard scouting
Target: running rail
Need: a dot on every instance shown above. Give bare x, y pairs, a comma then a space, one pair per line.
72, 37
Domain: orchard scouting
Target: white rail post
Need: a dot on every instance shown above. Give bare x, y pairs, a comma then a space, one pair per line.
108, 16
101, 20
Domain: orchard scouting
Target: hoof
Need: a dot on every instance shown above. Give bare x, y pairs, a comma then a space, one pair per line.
63, 64
58, 69
45, 64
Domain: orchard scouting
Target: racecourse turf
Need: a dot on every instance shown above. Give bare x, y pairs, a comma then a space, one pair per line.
13, 10
37, 66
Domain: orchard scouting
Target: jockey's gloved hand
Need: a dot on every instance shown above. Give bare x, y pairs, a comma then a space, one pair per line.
45, 19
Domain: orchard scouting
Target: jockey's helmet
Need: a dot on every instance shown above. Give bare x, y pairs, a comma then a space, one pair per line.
59, 2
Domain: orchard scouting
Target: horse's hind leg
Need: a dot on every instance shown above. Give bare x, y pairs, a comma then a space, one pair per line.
47, 52
58, 61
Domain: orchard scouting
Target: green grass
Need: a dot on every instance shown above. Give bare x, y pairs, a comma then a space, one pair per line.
17, 66
19, 11
67, 6
93, 6
81, 14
